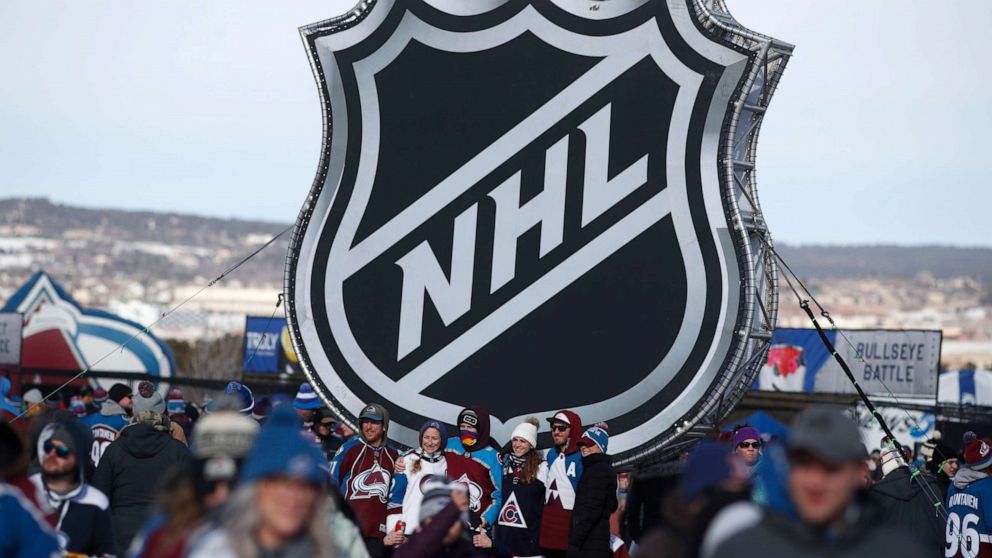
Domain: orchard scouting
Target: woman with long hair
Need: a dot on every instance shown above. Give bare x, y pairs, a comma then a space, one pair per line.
518, 529
412, 470
280, 507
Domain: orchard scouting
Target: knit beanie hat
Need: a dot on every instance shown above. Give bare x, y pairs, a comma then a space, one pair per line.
437, 496
306, 398
281, 450
707, 466
243, 394
174, 402
437, 426
596, 435
891, 460
262, 409
118, 392
32, 396
147, 399
744, 433
977, 451
77, 406
526, 431
227, 433
100, 396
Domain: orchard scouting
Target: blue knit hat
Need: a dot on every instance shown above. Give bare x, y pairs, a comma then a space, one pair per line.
280, 450
243, 394
707, 466
306, 398
440, 428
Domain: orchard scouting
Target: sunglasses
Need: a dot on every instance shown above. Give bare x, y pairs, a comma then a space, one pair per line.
745, 445
559, 427
60, 450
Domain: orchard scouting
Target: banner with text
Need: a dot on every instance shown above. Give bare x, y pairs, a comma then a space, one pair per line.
10, 337
267, 347
900, 362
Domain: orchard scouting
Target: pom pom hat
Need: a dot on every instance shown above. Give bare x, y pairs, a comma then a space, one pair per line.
306, 398
526, 431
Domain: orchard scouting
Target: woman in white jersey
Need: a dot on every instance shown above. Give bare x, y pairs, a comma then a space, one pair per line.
412, 471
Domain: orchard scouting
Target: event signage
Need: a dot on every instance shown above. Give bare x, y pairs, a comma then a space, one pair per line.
521, 205
267, 346
897, 362
10, 337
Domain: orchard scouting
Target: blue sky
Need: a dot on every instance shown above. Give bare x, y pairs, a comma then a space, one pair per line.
879, 133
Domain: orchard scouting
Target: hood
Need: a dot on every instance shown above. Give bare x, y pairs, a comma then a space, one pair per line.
143, 440
576, 423
483, 427
385, 423
111, 408
899, 485
966, 476
81, 439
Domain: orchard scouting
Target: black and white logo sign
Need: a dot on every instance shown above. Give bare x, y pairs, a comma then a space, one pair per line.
519, 205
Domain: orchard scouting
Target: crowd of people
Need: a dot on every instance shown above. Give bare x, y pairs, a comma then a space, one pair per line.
133, 473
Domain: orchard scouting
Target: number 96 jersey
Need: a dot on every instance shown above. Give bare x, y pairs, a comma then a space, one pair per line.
968, 533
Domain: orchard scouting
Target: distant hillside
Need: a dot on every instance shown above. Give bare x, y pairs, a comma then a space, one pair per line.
825, 262
145, 246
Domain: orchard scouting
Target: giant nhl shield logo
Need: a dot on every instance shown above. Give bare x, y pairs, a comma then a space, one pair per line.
523, 205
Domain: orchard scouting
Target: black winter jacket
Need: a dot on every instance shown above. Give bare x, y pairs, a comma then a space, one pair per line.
782, 537
595, 501
906, 505
130, 472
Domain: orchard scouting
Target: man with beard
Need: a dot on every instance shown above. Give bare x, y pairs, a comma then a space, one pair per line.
84, 524
362, 471
561, 472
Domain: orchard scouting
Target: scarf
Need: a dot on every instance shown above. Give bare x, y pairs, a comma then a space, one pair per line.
431, 457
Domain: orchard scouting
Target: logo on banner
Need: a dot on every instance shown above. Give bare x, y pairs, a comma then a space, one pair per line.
510, 515
509, 181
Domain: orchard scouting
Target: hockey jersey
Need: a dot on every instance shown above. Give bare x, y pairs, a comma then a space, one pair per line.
518, 529
969, 516
562, 470
363, 474
407, 491
106, 426
479, 471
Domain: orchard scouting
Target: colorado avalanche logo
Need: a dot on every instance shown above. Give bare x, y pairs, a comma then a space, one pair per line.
474, 492
506, 178
510, 515
373, 483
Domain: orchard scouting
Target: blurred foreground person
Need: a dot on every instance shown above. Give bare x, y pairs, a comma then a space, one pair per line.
192, 499
825, 454
133, 467
443, 530
969, 503
83, 524
280, 508
703, 510
24, 532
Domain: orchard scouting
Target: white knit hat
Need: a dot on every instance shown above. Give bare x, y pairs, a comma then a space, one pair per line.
527, 430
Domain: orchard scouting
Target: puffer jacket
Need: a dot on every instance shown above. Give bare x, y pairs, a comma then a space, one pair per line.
130, 472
